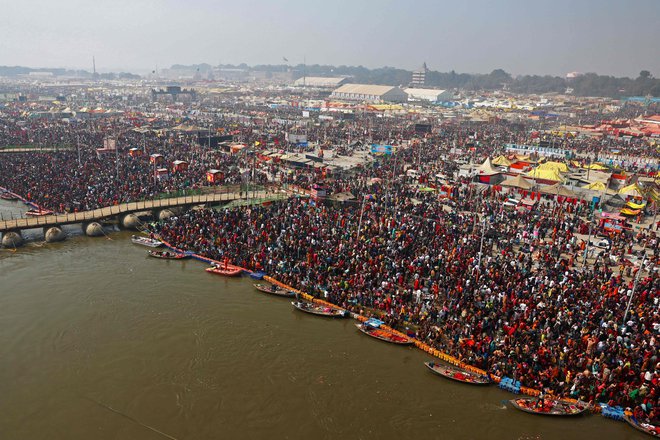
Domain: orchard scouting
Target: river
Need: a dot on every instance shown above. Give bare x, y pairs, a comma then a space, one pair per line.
98, 341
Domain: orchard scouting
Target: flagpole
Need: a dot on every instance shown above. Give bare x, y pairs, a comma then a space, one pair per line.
357, 237
632, 293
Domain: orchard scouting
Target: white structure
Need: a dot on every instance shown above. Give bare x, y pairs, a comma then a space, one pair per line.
419, 76
369, 93
319, 81
431, 95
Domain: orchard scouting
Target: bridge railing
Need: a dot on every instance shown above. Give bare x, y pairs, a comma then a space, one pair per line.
143, 205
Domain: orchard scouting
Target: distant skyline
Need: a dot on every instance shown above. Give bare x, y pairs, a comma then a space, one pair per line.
607, 37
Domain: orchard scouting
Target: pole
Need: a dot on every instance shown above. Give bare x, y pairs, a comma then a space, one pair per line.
586, 249
357, 237
481, 245
116, 162
632, 294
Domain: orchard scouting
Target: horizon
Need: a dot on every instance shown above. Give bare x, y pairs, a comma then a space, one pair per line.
520, 38
145, 71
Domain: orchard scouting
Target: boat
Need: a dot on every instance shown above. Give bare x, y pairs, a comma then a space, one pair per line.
372, 328
38, 212
317, 309
458, 374
648, 428
8, 196
146, 241
230, 271
275, 290
167, 255
550, 407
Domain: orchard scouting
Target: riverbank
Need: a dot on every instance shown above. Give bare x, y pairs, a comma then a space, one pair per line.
200, 357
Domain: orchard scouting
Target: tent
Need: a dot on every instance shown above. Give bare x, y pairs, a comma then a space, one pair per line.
559, 190
596, 186
517, 182
559, 166
545, 174
636, 206
502, 161
631, 190
486, 169
595, 166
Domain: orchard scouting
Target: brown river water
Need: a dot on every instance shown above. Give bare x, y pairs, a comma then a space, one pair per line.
98, 341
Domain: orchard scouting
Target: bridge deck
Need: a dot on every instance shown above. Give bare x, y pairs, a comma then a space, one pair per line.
124, 208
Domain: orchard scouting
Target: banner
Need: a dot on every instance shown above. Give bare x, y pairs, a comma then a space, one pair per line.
296, 138
383, 149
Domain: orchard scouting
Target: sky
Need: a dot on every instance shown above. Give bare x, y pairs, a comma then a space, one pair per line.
613, 37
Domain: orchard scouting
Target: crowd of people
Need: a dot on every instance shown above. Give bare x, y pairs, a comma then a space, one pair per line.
528, 306
519, 293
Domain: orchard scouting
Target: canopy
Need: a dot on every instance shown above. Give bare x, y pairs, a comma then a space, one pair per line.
517, 182
545, 174
558, 189
596, 186
628, 211
486, 168
631, 190
559, 166
595, 166
502, 161
636, 205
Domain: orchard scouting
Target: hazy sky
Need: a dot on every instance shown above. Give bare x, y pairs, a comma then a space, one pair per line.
619, 37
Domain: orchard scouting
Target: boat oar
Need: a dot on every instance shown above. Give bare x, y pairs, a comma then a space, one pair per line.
130, 418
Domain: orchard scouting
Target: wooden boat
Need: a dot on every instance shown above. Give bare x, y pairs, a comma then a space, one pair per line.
458, 374
372, 328
8, 196
230, 271
321, 310
275, 290
38, 212
167, 255
649, 429
146, 241
550, 407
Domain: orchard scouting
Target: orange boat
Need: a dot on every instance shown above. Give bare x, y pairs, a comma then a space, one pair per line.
457, 374
372, 328
231, 271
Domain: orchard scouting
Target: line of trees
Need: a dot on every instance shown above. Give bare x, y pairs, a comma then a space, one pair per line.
589, 84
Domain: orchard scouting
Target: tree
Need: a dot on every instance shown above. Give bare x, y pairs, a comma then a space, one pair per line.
645, 74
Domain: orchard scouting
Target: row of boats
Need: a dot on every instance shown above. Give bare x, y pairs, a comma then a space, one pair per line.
38, 212
548, 406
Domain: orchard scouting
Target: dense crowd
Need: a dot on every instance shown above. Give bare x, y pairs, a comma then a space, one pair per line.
531, 310
519, 293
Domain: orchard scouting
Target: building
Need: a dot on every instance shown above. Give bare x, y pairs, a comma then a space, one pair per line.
430, 95
419, 77
369, 93
173, 92
319, 82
